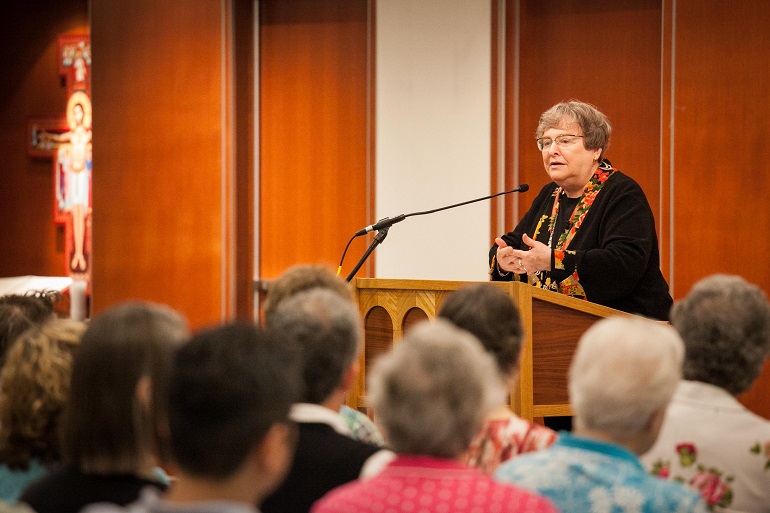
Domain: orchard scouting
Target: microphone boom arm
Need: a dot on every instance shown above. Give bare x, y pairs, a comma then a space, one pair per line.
381, 226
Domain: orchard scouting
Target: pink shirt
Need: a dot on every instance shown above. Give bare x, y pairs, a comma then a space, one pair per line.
423, 484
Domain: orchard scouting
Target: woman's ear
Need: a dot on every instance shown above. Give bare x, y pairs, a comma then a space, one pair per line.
144, 391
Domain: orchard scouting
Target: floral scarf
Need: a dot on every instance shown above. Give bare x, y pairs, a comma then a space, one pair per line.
571, 286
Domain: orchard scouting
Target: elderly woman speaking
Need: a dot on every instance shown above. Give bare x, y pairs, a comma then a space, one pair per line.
590, 233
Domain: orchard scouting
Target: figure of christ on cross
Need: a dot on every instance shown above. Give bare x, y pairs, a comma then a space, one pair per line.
73, 174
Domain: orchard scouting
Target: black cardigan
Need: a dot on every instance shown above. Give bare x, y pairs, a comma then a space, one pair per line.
615, 249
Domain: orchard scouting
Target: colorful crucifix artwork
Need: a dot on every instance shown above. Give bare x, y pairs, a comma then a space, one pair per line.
68, 141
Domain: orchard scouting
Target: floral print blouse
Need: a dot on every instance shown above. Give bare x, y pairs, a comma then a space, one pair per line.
712, 443
501, 439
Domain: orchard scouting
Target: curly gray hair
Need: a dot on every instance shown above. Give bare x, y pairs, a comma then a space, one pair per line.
431, 393
595, 125
324, 330
725, 324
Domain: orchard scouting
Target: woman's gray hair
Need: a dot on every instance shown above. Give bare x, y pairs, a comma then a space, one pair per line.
595, 125
624, 370
325, 331
431, 393
725, 324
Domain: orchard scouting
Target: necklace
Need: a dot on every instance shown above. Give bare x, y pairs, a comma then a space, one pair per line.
591, 190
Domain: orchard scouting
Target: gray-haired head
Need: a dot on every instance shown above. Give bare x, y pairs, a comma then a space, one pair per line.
624, 371
593, 123
725, 324
325, 329
300, 278
431, 393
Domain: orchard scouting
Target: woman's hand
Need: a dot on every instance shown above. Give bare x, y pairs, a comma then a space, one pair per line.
536, 258
506, 260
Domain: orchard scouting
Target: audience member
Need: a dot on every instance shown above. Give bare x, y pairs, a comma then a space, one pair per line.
19, 312
111, 427
300, 278
430, 396
709, 440
229, 397
305, 277
36, 383
488, 312
622, 377
325, 330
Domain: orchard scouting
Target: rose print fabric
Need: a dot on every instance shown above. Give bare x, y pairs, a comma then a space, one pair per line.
713, 444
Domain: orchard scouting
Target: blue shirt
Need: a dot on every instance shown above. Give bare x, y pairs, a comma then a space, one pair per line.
13, 482
582, 475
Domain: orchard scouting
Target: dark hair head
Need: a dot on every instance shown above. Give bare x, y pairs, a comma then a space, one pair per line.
325, 330
301, 278
20, 312
36, 304
229, 385
487, 312
725, 324
107, 426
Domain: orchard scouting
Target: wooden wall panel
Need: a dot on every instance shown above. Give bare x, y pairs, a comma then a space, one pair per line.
313, 132
244, 164
720, 174
605, 52
30, 86
162, 162
720, 165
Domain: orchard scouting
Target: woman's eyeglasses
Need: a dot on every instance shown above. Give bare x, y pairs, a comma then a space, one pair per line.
562, 141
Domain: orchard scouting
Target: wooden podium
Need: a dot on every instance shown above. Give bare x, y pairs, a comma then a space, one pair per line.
552, 322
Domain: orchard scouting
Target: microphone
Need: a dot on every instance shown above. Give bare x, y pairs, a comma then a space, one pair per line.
382, 223
387, 222
382, 226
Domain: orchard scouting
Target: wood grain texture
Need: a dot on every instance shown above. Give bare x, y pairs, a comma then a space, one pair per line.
720, 122
719, 133
244, 164
552, 325
163, 171
378, 340
604, 52
313, 132
413, 317
720, 126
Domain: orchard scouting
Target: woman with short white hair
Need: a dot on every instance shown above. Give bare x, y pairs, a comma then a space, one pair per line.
622, 377
430, 395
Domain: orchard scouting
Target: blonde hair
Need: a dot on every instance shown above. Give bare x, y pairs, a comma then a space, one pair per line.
35, 387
